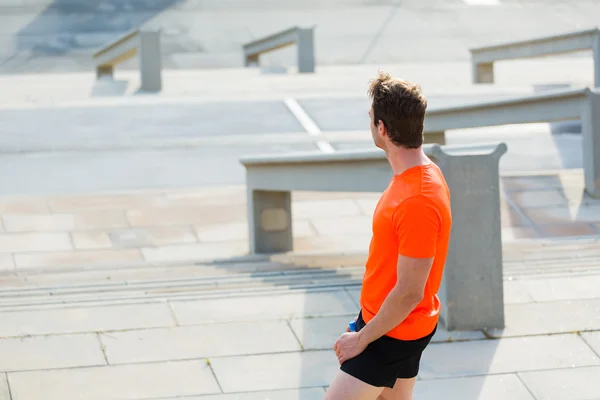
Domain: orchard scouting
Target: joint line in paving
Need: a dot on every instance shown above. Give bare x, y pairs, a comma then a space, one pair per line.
520, 378
308, 124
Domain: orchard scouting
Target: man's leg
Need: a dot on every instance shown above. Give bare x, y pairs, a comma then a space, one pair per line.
347, 387
403, 390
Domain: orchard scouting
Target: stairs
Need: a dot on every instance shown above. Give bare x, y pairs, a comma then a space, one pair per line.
250, 276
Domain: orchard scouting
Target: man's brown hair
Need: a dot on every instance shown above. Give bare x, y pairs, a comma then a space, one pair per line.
400, 106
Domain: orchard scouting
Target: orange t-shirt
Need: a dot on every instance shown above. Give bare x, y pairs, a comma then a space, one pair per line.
413, 219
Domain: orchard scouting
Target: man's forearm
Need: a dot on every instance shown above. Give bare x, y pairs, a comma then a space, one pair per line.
396, 307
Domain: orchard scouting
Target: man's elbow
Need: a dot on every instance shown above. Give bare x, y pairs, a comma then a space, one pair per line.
413, 296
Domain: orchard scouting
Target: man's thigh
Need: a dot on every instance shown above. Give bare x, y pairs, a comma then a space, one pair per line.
403, 390
347, 387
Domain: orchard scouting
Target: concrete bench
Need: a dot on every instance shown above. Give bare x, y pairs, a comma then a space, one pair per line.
142, 42
302, 37
551, 106
472, 290
483, 58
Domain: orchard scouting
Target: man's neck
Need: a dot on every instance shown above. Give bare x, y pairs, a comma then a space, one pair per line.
401, 158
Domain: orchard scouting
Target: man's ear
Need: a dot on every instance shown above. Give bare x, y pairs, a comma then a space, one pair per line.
381, 128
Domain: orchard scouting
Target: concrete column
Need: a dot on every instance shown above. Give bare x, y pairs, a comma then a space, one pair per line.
270, 221
104, 71
483, 72
150, 60
306, 50
590, 127
435, 137
596, 55
472, 288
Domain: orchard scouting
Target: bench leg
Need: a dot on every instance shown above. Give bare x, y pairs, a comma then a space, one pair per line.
306, 51
483, 73
590, 124
252, 60
104, 71
270, 221
435, 137
150, 61
472, 288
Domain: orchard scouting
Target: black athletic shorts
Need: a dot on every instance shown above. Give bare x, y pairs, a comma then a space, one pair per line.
386, 359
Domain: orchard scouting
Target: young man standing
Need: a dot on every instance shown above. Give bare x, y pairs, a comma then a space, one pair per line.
411, 230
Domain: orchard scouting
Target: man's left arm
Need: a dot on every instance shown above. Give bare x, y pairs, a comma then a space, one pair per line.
417, 225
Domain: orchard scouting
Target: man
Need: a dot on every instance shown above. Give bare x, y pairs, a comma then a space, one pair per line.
411, 230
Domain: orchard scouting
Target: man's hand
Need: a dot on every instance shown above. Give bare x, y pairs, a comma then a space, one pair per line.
348, 346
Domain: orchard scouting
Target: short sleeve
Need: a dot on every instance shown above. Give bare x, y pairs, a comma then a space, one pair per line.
417, 224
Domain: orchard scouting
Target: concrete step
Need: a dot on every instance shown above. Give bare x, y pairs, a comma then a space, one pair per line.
159, 290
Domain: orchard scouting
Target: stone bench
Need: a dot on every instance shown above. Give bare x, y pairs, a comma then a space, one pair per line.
142, 42
301, 37
551, 106
472, 291
483, 58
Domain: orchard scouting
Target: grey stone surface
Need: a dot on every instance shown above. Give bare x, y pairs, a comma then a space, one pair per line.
96, 125
4, 391
560, 384
491, 387
197, 33
290, 394
355, 294
319, 333
264, 307
550, 317
593, 340
442, 335
92, 319
212, 340
275, 371
515, 292
499, 356
556, 289
134, 381
48, 352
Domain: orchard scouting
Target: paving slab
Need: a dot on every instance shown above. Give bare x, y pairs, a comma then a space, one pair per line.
81, 220
326, 209
290, 394
491, 387
593, 340
568, 383
49, 352
4, 390
275, 371
260, 308
195, 252
88, 258
238, 231
6, 262
213, 340
134, 381
555, 289
31, 242
549, 317
514, 292
90, 319
319, 333
342, 226
485, 357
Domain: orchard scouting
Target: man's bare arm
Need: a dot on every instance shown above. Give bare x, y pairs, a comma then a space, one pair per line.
402, 299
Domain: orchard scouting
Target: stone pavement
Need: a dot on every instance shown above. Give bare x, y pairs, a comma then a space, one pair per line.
150, 295
60, 35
